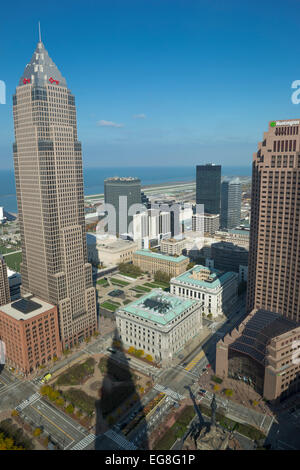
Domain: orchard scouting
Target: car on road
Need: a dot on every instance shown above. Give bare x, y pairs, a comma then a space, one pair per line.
203, 391
112, 350
185, 364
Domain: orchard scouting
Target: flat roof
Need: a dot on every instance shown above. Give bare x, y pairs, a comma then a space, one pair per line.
218, 277
159, 306
152, 254
26, 309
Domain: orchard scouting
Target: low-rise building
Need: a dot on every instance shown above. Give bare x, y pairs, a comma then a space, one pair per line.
264, 352
172, 246
109, 251
159, 323
216, 289
29, 329
151, 262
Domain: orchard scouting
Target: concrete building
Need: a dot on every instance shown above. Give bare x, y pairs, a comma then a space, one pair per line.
150, 227
208, 187
206, 223
274, 273
29, 328
172, 246
159, 323
4, 285
217, 290
49, 187
231, 203
152, 262
110, 251
122, 193
264, 352
2, 217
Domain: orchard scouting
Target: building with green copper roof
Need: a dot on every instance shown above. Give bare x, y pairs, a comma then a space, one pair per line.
218, 290
159, 323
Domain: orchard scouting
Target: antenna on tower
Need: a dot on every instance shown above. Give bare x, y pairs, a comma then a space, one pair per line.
40, 36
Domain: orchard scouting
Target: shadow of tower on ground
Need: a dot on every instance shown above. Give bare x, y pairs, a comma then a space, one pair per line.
120, 417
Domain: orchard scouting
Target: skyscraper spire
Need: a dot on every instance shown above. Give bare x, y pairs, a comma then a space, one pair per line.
40, 36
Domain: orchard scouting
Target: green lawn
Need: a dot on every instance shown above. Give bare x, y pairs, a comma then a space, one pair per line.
127, 301
119, 282
177, 430
4, 250
110, 306
76, 374
141, 289
13, 261
102, 282
80, 400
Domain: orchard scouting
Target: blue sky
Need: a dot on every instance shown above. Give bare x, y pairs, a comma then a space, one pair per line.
159, 82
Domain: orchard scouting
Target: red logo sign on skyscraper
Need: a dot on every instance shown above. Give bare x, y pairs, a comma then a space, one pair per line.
51, 80
26, 80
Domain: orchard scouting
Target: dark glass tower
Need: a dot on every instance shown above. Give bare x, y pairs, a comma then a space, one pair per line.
208, 187
114, 189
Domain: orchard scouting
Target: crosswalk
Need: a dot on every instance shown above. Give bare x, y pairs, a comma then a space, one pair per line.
195, 361
168, 391
84, 442
120, 440
28, 402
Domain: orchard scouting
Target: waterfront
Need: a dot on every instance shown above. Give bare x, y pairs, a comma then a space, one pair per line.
94, 178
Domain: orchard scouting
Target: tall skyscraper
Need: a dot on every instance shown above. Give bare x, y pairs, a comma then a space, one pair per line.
130, 189
274, 267
4, 285
231, 203
49, 185
208, 187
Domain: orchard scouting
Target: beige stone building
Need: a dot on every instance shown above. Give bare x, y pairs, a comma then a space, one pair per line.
49, 186
172, 247
4, 285
110, 252
152, 262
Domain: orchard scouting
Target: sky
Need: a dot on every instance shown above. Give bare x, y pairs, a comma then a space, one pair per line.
160, 82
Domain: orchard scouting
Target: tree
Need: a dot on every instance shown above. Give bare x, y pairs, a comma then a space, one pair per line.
37, 432
139, 353
70, 409
131, 350
160, 276
228, 392
216, 387
149, 358
15, 413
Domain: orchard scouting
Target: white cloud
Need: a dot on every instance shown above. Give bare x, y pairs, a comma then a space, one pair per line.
139, 116
104, 123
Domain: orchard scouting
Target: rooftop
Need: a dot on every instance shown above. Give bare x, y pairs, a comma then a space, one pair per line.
152, 254
260, 327
26, 308
215, 278
122, 179
41, 69
159, 307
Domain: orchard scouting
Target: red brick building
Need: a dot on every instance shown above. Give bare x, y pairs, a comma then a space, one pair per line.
29, 329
